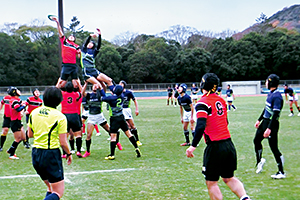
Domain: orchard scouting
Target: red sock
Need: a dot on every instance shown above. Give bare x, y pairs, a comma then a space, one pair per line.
96, 127
83, 126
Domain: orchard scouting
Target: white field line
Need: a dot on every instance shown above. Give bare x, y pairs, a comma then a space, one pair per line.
71, 173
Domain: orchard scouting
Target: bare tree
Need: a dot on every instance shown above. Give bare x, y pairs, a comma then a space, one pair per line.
124, 38
179, 33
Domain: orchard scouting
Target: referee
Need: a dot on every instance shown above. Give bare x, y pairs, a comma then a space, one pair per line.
48, 127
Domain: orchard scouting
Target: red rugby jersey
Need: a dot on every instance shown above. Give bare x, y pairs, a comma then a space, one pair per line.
15, 103
69, 102
33, 102
69, 50
7, 108
214, 109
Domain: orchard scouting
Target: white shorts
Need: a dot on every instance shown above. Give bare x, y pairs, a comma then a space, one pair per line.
230, 98
96, 119
187, 116
293, 98
85, 113
194, 96
127, 113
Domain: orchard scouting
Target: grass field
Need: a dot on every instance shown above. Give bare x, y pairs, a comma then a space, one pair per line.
163, 171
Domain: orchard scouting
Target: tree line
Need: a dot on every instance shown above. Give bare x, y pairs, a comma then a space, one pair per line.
29, 55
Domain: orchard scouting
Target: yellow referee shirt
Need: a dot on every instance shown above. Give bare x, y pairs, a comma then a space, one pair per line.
47, 123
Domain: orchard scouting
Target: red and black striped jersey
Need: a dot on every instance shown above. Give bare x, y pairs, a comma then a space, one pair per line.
33, 103
16, 108
214, 109
7, 108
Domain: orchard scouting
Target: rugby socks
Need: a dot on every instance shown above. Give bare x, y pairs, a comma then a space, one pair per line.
229, 106
298, 108
167, 102
186, 135
175, 103
113, 145
233, 106
134, 132
96, 127
72, 145
13, 148
291, 109
3, 138
111, 87
133, 141
52, 196
118, 136
83, 128
280, 161
78, 143
88, 145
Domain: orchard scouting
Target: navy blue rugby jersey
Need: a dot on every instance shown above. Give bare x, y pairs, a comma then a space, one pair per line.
274, 102
128, 95
185, 101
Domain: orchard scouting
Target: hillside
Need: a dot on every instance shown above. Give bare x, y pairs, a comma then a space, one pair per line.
288, 18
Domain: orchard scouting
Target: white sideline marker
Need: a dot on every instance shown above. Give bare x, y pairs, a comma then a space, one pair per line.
71, 173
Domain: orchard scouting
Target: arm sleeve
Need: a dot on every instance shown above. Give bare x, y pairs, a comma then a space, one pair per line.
86, 42
274, 118
200, 127
261, 115
98, 47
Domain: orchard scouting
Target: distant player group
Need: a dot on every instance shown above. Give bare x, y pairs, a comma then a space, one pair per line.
51, 128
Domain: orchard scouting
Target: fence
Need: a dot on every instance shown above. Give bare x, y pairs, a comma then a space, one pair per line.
141, 86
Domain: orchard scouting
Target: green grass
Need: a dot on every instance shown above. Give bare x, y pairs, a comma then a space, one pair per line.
163, 171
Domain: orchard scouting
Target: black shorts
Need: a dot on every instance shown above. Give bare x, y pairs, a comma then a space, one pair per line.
89, 72
219, 160
48, 164
117, 123
170, 94
176, 95
16, 125
69, 70
74, 122
6, 122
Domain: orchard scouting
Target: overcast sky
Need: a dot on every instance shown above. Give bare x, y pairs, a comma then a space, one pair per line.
114, 17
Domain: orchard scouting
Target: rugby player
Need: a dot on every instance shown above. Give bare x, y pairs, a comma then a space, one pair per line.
194, 91
187, 114
117, 121
88, 54
220, 154
6, 117
69, 107
32, 103
176, 94
17, 108
293, 99
267, 127
170, 95
128, 95
230, 97
69, 51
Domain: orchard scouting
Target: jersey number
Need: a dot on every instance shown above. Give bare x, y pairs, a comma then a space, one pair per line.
219, 108
70, 100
